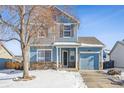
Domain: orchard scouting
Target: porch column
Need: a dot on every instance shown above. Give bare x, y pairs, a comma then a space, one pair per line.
57, 57
102, 55
60, 57
76, 58
101, 60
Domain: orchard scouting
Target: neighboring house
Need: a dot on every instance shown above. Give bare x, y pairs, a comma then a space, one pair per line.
117, 54
17, 58
65, 47
5, 56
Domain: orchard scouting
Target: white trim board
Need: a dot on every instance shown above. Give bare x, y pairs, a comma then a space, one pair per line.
66, 44
91, 45
44, 49
89, 52
41, 45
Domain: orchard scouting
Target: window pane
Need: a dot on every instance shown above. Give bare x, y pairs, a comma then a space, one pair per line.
67, 27
41, 56
41, 34
47, 55
66, 33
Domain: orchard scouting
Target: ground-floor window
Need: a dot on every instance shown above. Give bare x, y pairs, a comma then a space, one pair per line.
44, 55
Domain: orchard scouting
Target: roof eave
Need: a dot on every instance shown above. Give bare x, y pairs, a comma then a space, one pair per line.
92, 45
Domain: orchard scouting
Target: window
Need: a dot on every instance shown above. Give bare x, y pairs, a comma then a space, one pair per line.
67, 31
48, 55
44, 55
72, 56
41, 56
41, 34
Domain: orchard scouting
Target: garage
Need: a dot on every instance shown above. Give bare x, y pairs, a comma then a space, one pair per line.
89, 61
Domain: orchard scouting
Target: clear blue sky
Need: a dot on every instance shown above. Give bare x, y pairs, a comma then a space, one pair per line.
104, 22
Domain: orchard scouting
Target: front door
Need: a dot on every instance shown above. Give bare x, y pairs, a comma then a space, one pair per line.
65, 58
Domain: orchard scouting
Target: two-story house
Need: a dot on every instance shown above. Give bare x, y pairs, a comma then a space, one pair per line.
64, 47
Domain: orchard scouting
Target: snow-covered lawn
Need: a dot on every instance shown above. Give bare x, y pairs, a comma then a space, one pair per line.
44, 79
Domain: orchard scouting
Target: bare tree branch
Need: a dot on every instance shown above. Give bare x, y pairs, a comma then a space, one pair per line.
6, 40
10, 25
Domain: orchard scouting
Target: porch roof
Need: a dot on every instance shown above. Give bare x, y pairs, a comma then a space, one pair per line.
91, 45
90, 42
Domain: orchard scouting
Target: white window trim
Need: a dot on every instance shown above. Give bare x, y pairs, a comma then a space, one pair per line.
44, 50
67, 24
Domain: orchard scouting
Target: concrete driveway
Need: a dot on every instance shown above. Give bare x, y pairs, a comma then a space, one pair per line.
97, 79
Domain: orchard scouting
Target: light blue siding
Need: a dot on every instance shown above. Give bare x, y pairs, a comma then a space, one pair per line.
33, 54
95, 49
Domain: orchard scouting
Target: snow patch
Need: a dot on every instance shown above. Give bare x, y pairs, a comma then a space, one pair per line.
44, 79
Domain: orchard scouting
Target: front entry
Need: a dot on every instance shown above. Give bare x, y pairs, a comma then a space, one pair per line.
65, 58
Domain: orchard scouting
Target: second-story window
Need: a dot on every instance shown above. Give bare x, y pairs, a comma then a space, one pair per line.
67, 31
42, 33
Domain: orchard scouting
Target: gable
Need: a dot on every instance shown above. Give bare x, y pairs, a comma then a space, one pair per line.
4, 53
116, 45
63, 17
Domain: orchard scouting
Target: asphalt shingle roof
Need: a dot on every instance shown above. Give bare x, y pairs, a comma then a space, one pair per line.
89, 40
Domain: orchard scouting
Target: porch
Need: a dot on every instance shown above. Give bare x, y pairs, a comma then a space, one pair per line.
67, 57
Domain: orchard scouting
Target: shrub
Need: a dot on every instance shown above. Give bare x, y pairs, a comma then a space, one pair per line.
13, 65
114, 72
33, 65
42, 65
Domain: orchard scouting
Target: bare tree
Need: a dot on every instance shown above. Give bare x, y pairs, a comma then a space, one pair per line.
21, 23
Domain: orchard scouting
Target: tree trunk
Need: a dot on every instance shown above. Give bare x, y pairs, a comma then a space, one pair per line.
25, 54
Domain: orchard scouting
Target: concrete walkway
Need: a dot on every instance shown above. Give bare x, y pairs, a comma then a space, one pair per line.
97, 79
